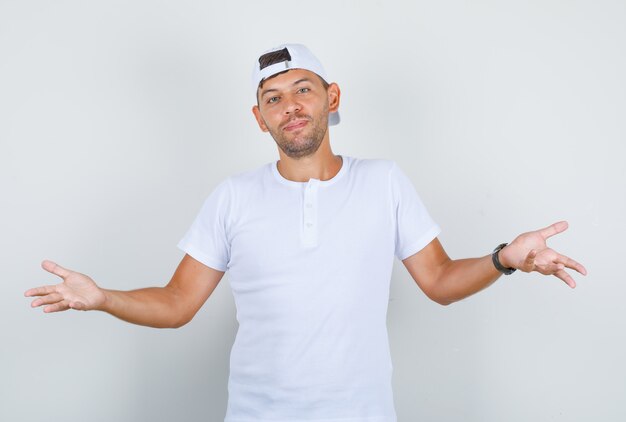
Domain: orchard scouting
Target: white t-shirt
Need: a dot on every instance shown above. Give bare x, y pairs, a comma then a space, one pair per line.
309, 264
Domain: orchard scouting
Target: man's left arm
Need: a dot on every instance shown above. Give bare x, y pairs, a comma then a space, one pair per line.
446, 281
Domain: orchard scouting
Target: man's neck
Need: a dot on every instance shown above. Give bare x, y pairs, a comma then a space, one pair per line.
322, 165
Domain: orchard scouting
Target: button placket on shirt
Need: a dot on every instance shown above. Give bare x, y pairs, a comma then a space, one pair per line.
309, 213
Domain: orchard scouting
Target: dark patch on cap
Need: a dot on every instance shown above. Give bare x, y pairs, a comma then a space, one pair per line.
274, 57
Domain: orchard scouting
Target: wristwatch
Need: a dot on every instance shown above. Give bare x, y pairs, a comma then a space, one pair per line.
496, 261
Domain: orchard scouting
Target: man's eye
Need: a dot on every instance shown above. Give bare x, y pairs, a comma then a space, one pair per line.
272, 99
303, 90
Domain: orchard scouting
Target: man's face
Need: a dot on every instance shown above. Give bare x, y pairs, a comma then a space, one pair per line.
293, 107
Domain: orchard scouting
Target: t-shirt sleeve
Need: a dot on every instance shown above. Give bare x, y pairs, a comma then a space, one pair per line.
207, 238
414, 226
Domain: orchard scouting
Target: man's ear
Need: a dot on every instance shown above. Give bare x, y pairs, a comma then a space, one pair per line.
334, 94
259, 119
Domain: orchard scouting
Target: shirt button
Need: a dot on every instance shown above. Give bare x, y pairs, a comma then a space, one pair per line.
309, 224
309, 205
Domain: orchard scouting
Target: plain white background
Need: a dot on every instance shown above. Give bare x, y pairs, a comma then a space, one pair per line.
118, 118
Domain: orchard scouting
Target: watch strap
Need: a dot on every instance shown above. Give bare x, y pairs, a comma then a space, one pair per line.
496, 261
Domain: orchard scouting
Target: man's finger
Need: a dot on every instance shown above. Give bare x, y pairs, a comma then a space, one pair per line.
553, 229
57, 307
563, 275
552, 268
40, 291
47, 300
55, 269
570, 263
529, 262
79, 306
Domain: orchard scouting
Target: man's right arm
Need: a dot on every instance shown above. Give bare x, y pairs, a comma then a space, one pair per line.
171, 306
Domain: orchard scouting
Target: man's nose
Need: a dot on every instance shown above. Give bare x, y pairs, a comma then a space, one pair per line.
291, 105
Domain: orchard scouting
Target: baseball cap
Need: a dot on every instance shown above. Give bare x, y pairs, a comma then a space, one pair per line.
286, 57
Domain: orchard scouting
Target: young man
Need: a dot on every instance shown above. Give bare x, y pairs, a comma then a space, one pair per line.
309, 243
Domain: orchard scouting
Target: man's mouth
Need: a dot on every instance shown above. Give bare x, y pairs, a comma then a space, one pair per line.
295, 125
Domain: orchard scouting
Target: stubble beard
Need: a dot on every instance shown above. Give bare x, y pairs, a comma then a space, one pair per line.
304, 144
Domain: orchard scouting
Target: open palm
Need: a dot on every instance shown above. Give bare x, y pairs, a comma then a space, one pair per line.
529, 252
77, 291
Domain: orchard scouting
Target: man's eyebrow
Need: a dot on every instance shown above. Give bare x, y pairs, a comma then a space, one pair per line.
265, 91
299, 81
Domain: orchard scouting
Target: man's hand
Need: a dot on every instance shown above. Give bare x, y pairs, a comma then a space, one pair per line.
77, 291
529, 252
171, 306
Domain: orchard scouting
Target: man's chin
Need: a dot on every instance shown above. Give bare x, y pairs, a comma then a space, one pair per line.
297, 153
